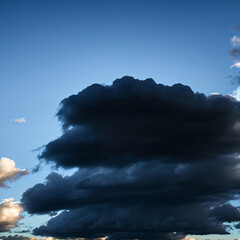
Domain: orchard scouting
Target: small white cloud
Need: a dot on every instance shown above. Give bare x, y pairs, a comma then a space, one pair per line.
10, 214
237, 65
20, 120
9, 172
235, 41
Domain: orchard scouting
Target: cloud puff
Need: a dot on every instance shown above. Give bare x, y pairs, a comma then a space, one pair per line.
20, 120
153, 160
10, 214
9, 172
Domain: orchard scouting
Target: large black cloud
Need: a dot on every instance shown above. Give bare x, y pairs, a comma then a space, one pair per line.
152, 159
164, 197
106, 220
146, 184
132, 121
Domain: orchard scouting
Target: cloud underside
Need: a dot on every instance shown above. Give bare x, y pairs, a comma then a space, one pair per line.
152, 159
10, 214
9, 172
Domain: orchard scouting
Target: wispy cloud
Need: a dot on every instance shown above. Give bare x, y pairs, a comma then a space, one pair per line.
20, 120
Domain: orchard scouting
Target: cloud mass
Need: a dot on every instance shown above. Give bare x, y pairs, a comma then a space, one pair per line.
154, 162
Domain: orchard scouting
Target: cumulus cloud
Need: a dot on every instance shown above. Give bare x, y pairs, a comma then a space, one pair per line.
10, 214
153, 161
9, 172
130, 222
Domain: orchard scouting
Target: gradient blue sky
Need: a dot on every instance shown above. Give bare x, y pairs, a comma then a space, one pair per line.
52, 49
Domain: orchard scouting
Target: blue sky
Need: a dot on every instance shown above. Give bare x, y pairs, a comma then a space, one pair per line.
52, 49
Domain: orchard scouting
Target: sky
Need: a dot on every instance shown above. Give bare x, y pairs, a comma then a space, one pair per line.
124, 158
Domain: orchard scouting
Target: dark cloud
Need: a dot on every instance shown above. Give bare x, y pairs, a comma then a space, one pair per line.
132, 121
133, 221
226, 213
24, 231
153, 160
21, 237
146, 235
151, 183
15, 237
162, 196
36, 168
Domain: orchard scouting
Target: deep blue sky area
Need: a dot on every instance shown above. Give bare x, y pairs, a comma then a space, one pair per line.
52, 49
